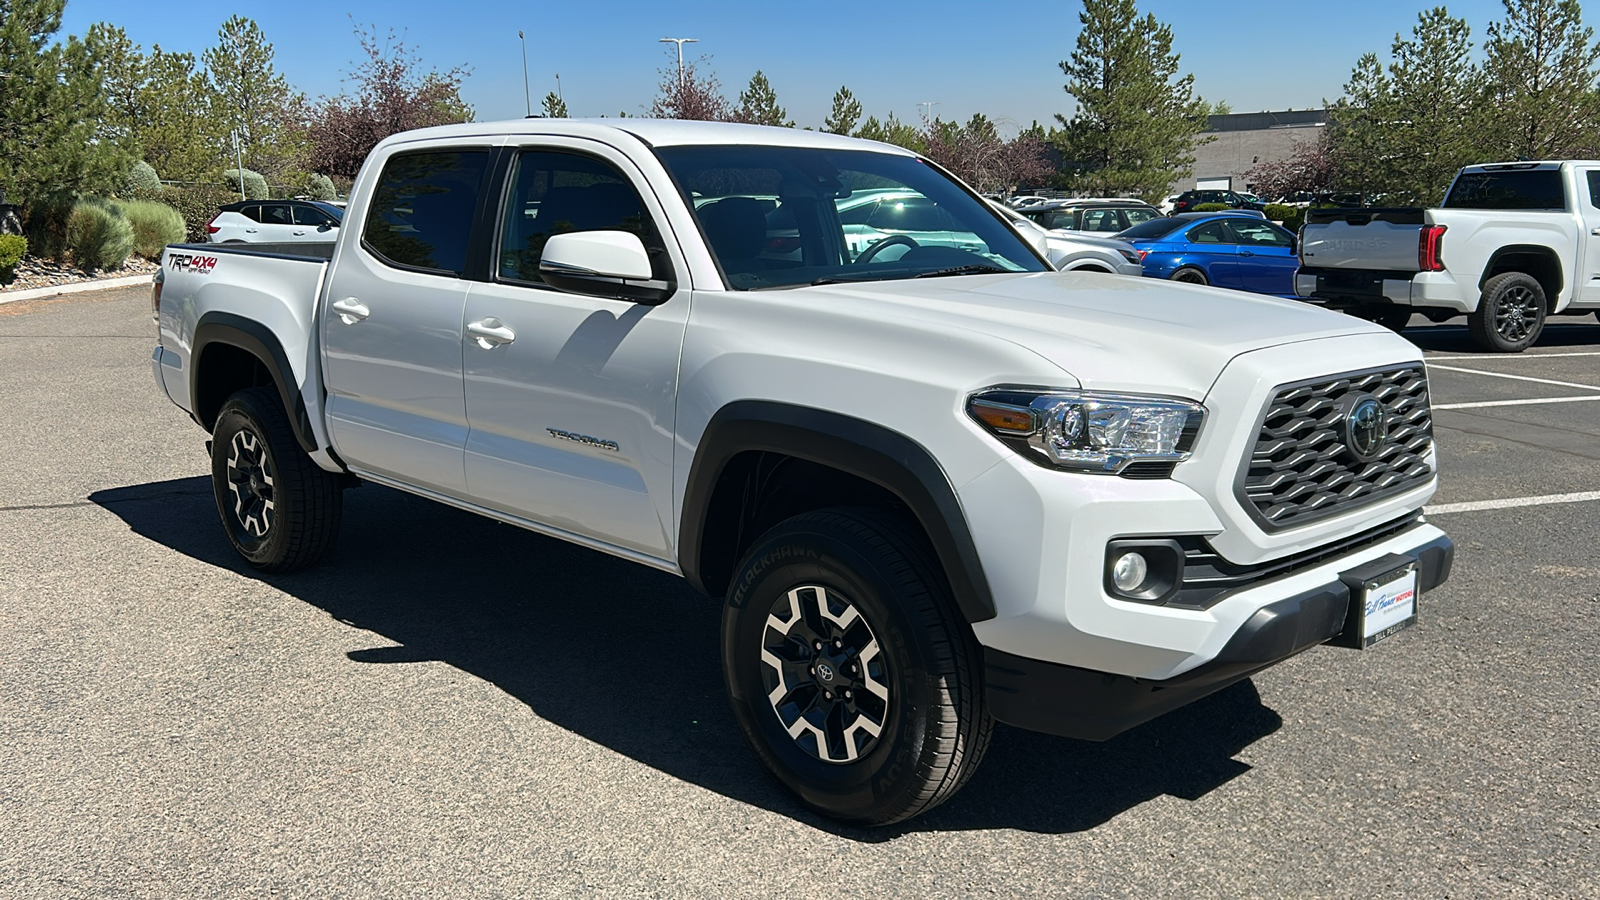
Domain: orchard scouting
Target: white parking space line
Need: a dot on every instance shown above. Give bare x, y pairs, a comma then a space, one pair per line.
1476, 505
1591, 387
1510, 357
1482, 403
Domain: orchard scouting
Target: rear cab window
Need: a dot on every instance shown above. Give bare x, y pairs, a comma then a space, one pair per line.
1508, 189
422, 209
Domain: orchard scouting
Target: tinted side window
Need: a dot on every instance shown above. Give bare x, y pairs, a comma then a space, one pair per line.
1210, 233
1517, 189
1136, 216
1594, 188
422, 208
558, 193
275, 214
251, 212
1101, 220
1260, 233
310, 215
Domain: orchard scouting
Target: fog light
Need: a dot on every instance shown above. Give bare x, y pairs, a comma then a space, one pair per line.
1129, 572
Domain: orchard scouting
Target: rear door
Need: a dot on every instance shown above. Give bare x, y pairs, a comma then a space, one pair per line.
1589, 261
277, 224
1267, 260
1211, 247
391, 333
571, 399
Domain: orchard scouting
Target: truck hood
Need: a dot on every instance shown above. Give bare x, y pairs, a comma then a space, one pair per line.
1108, 332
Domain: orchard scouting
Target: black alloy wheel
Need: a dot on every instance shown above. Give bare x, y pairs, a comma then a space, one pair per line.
1190, 275
280, 509
1510, 314
854, 679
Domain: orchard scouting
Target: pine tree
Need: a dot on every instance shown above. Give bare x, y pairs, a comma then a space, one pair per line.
1136, 121
846, 113
1542, 71
758, 104
555, 107
251, 94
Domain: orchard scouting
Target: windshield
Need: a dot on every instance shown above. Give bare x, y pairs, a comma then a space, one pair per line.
787, 216
1155, 228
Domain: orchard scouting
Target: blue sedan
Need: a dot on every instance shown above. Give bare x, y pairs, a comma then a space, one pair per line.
1231, 250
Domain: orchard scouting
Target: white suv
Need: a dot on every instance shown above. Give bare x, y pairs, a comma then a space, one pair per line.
275, 222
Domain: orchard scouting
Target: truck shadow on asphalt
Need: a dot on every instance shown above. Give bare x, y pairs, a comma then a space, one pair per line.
628, 657
1559, 331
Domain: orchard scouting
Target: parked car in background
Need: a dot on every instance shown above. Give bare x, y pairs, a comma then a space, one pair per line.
1106, 216
1071, 252
1238, 250
275, 222
1188, 200
1021, 200
1511, 244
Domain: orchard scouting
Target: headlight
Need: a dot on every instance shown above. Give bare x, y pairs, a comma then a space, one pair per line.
1090, 432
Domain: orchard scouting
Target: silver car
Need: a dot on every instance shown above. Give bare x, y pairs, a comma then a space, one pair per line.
1074, 251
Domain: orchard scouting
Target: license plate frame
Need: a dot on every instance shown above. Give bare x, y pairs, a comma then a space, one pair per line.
1384, 598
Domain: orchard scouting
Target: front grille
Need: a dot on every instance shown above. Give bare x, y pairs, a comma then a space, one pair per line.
1300, 469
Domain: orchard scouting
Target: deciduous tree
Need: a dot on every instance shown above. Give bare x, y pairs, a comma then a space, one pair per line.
690, 94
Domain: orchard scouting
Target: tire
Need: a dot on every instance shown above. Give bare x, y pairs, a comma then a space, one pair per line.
903, 662
280, 510
1510, 313
1190, 275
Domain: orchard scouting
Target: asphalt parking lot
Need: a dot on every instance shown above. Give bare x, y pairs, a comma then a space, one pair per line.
452, 707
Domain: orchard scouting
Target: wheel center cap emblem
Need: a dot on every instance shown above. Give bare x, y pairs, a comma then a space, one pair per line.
1365, 427
825, 672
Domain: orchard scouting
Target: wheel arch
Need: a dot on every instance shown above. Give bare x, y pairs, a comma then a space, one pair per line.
231, 352
843, 457
1537, 261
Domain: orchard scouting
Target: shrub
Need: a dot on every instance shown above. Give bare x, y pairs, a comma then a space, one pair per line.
155, 225
198, 206
98, 235
1294, 220
46, 226
12, 248
1277, 212
321, 188
1211, 207
255, 186
143, 182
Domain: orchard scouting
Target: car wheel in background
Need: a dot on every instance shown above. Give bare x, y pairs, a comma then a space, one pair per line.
1510, 313
851, 674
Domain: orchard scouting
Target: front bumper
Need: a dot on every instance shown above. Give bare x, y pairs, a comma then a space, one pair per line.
1095, 705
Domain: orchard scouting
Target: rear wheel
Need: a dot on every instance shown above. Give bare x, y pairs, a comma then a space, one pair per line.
1510, 314
851, 675
281, 511
1190, 275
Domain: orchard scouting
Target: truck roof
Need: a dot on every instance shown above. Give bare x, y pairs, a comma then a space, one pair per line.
656, 132
1529, 164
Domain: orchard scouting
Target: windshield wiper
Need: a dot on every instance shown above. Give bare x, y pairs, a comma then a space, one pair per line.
972, 269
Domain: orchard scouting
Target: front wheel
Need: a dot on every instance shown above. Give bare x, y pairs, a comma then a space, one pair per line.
1510, 313
851, 675
280, 509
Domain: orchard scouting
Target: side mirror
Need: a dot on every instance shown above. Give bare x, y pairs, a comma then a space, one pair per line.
326, 226
609, 264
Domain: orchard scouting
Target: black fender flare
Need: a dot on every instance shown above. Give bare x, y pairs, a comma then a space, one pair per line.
256, 339
863, 449
1538, 251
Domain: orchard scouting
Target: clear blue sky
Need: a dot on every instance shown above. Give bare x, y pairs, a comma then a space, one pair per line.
999, 58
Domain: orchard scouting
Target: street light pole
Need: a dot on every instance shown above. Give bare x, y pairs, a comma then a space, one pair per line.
238, 158
680, 42
527, 95
927, 113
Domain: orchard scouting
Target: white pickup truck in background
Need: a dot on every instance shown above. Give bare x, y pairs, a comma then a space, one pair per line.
1512, 244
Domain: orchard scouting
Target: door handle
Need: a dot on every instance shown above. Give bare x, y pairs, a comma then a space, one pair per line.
1595, 232
350, 310
1246, 253
490, 333
251, 230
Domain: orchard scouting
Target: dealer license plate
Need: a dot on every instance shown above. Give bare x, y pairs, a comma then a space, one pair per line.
1387, 605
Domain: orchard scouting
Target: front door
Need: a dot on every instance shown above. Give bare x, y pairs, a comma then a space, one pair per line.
571, 399
391, 326
1211, 247
1267, 260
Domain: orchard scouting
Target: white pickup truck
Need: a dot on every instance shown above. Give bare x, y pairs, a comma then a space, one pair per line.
936, 485
1512, 244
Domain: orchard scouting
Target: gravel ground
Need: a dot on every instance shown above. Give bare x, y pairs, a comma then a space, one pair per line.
33, 272
453, 707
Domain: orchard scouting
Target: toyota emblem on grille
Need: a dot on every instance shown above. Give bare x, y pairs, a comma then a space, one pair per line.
1365, 427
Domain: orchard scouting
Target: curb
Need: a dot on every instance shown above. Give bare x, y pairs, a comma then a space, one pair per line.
75, 288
